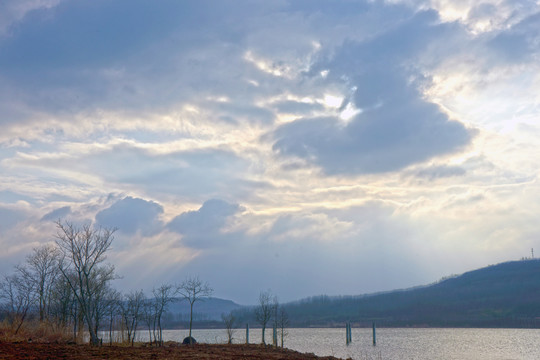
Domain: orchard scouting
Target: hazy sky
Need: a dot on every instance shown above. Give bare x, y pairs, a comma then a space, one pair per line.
307, 147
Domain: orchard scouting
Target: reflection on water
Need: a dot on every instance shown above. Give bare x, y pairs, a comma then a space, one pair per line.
417, 344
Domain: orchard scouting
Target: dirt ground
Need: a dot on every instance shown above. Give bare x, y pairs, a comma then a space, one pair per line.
171, 351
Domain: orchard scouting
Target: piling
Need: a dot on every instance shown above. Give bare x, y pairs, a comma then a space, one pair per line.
374, 335
247, 333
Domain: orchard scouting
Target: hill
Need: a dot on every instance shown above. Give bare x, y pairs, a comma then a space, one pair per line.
503, 295
207, 310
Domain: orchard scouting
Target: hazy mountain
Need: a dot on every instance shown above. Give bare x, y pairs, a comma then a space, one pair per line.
506, 294
203, 310
502, 295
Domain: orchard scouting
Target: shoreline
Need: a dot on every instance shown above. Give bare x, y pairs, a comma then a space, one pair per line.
143, 351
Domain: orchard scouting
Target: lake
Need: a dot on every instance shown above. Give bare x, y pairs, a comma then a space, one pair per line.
417, 344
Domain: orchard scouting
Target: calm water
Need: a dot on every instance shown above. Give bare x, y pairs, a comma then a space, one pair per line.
417, 344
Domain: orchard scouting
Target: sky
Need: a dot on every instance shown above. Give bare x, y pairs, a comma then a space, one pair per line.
307, 147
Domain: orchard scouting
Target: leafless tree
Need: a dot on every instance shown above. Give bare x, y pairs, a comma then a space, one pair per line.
265, 310
60, 303
83, 250
193, 289
19, 295
275, 308
113, 301
132, 311
282, 324
149, 317
229, 320
41, 268
163, 296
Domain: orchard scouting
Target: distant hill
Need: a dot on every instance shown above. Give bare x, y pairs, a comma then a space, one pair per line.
503, 295
506, 294
207, 310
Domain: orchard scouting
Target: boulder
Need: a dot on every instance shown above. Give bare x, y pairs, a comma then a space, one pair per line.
189, 340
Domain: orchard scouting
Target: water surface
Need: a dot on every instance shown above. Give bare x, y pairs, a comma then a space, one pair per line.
417, 344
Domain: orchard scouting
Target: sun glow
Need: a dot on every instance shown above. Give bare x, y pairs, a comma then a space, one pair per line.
332, 101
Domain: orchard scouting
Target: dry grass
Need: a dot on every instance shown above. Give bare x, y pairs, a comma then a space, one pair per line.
34, 331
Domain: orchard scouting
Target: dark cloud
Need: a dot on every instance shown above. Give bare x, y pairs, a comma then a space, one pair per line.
57, 214
81, 55
397, 126
130, 215
202, 228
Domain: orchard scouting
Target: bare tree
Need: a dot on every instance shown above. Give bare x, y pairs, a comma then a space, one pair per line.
83, 250
149, 312
132, 311
265, 310
163, 296
113, 301
41, 268
20, 295
282, 324
275, 307
229, 320
60, 303
193, 289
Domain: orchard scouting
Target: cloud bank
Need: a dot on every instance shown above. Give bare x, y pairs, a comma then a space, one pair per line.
292, 145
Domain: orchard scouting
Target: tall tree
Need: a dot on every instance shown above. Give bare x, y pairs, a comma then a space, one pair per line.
41, 268
265, 310
192, 290
83, 250
132, 311
163, 296
20, 296
113, 301
282, 324
61, 303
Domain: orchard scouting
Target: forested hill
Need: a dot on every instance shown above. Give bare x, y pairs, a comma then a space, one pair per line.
505, 295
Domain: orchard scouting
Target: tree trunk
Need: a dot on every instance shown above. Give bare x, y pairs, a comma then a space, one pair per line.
190, 322
110, 330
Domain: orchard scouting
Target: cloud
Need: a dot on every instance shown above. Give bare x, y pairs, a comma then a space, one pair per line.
57, 214
130, 215
519, 43
245, 101
8, 196
439, 171
204, 227
14, 11
9, 217
397, 126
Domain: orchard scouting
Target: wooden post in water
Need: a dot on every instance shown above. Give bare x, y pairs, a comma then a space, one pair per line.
374, 335
348, 333
274, 335
247, 333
